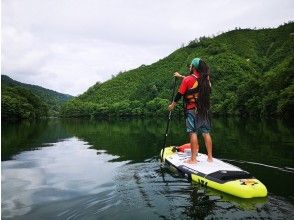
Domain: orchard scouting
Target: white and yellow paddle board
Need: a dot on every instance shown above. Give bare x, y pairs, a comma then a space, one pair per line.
218, 174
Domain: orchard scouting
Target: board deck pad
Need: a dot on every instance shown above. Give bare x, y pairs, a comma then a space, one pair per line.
202, 166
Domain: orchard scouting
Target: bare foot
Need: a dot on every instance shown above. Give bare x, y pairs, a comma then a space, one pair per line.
209, 159
190, 161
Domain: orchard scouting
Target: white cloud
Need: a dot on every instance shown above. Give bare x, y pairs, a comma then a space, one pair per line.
68, 45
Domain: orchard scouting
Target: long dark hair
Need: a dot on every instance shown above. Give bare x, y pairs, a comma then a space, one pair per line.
203, 100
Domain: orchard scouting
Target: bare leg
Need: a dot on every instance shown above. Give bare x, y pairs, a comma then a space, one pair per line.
208, 144
197, 149
194, 148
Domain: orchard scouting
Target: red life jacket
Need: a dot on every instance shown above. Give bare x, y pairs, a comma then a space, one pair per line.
191, 94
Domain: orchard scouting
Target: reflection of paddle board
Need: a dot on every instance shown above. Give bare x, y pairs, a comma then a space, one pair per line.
217, 174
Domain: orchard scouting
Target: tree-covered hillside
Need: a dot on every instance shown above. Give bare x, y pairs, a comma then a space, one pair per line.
20, 100
251, 74
20, 103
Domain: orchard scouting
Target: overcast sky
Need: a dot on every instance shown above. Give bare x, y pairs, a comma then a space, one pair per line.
69, 45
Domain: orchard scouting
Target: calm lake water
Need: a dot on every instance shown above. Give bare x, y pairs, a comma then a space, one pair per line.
82, 169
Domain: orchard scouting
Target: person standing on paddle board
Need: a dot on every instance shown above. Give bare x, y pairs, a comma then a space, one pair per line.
196, 89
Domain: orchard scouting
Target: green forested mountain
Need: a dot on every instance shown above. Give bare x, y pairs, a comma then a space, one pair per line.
251, 73
19, 100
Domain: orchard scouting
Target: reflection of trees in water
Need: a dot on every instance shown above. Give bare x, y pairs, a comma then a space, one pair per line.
265, 141
29, 135
134, 140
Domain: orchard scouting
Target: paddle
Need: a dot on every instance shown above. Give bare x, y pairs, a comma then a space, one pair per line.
168, 120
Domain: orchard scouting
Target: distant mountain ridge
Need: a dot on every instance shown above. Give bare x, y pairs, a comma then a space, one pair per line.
41, 90
52, 99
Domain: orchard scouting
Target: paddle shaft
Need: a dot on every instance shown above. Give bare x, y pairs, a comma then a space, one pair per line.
168, 121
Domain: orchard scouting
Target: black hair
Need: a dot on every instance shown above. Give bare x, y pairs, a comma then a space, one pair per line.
204, 91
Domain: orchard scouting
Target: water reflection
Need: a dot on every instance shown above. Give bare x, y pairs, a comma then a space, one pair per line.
80, 169
29, 135
63, 171
267, 142
260, 141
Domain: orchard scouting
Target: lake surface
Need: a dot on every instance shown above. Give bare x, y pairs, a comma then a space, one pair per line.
82, 169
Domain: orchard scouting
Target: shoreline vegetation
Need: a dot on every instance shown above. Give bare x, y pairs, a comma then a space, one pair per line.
21, 101
252, 74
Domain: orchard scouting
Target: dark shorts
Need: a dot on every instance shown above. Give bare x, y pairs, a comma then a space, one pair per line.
191, 123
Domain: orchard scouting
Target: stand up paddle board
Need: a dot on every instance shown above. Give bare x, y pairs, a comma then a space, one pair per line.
218, 174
